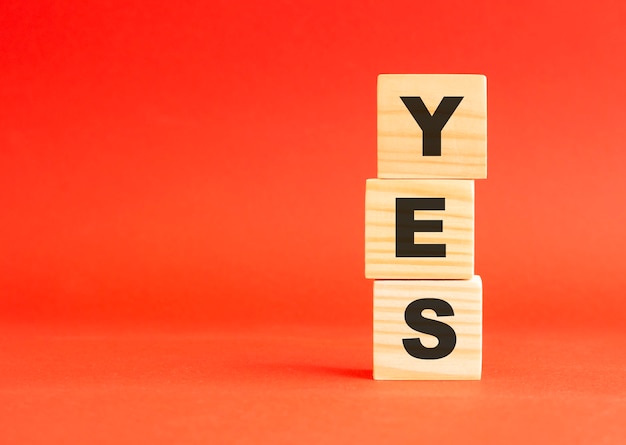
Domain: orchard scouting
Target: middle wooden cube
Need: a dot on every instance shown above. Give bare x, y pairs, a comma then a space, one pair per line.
419, 229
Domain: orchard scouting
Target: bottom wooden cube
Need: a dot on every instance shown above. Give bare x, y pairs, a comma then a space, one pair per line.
428, 329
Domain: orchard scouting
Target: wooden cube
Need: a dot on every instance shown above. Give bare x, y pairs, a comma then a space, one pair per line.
419, 229
432, 126
428, 329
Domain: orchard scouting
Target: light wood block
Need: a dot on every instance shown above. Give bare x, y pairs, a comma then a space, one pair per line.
461, 331
463, 136
382, 259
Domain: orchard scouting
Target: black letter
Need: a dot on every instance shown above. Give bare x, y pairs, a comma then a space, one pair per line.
444, 333
407, 225
431, 125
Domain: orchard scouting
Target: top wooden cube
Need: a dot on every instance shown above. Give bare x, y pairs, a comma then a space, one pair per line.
432, 126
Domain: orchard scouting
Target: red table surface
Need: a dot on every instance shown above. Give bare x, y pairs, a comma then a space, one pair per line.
182, 221
302, 385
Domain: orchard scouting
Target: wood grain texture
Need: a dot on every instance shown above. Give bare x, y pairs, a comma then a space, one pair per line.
457, 234
463, 138
391, 360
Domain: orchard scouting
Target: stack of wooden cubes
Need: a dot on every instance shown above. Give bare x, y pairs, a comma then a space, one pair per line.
419, 226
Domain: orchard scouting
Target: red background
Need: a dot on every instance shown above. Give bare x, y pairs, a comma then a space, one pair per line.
182, 211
